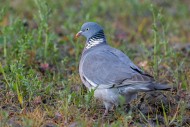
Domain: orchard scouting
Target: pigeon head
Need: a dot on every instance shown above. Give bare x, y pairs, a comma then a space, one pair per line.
93, 32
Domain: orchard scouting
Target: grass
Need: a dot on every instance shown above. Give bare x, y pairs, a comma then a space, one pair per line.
39, 57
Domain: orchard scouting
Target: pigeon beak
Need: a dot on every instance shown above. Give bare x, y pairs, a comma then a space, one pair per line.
78, 34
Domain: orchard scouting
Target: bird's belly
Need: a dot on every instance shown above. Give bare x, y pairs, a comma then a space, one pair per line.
108, 95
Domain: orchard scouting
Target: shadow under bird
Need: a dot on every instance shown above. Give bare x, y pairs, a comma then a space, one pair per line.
109, 71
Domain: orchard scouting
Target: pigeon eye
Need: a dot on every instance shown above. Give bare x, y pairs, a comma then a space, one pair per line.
87, 29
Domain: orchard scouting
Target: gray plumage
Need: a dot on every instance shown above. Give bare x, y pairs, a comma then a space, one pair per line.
109, 71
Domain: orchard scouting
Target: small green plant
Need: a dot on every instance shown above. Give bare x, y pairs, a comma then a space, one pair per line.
3, 118
44, 12
165, 116
4, 30
89, 96
4, 76
157, 48
19, 78
24, 83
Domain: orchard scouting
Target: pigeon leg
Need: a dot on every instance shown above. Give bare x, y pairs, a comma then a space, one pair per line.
108, 106
105, 113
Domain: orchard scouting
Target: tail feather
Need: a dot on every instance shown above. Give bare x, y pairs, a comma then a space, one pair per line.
143, 88
162, 87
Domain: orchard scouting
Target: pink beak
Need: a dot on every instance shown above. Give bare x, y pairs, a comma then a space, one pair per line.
78, 34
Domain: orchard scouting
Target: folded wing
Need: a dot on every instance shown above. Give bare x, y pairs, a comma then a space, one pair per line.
108, 69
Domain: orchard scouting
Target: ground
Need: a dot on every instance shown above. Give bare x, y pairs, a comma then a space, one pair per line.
39, 57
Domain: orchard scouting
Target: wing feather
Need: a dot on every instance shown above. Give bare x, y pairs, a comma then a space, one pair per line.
106, 69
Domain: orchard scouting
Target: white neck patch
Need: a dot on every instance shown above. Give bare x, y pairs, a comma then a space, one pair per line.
93, 42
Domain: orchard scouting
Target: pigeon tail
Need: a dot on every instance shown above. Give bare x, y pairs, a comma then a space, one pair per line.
157, 86
143, 88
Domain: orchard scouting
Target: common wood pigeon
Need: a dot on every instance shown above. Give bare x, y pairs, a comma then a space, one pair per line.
109, 72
